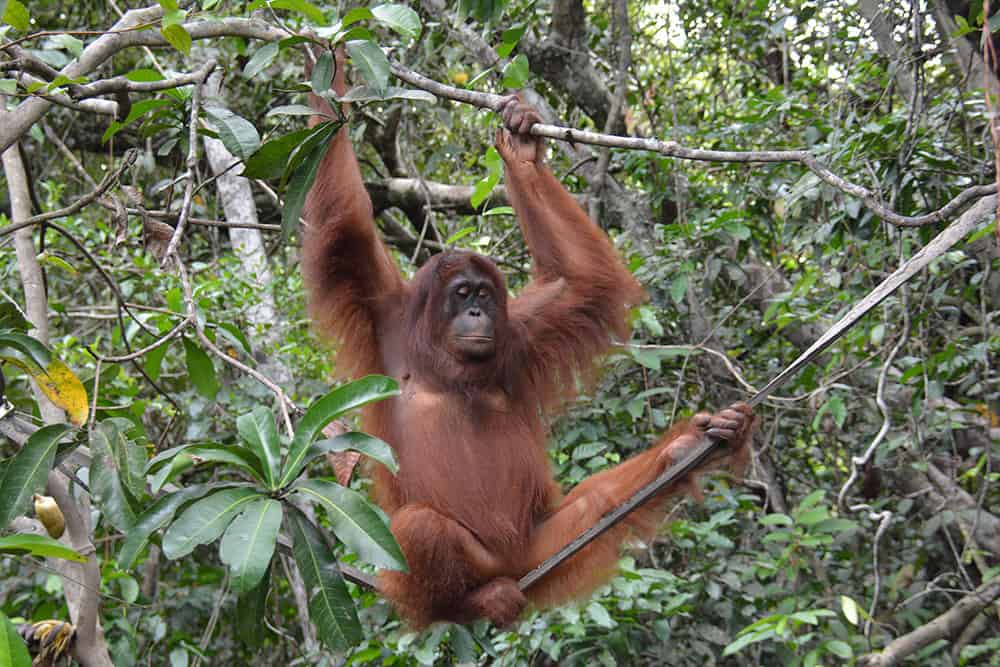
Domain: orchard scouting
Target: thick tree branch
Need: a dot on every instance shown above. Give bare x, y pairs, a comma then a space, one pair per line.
946, 626
122, 35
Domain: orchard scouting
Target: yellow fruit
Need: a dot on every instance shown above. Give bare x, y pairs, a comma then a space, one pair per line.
460, 78
50, 515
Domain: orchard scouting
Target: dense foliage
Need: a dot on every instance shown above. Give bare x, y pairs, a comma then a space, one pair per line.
744, 263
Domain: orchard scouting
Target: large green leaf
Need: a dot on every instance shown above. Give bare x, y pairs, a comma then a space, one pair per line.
322, 73
260, 432
369, 445
38, 545
368, 57
116, 479
248, 544
203, 521
261, 59
156, 517
27, 472
330, 606
13, 652
11, 316
401, 18
28, 346
299, 184
176, 459
238, 134
271, 159
356, 522
201, 369
346, 397
251, 610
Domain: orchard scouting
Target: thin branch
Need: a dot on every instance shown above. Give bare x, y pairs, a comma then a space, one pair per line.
166, 338
80, 203
192, 167
121, 84
673, 149
285, 404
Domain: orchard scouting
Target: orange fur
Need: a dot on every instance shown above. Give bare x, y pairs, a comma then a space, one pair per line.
474, 505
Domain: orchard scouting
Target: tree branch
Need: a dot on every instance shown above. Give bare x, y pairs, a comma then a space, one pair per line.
946, 626
674, 149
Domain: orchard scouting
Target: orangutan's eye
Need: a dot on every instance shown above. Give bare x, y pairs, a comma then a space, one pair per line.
463, 291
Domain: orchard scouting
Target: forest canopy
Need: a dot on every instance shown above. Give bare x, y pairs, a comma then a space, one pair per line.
179, 473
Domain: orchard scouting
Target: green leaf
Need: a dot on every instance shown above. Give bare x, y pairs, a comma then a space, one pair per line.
180, 458
509, 40
271, 159
13, 652
237, 134
144, 74
156, 517
27, 472
292, 110
371, 62
850, 609
68, 43
203, 521
116, 478
499, 210
34, 350
369, 445
251, 610
330, 604
298, 189
600, 615
776, 520
178, 38
811, 500
11, 317
154, 361
516, 73
370, 94
16, 15
322, 73
319, 135
259, 431
261, 59
840, 649
232, 333
355, 15
307, 9
342, 399
201, 370
356, 523
248, 544
813, 516
38, 545
400, 18
834, 526
678, 288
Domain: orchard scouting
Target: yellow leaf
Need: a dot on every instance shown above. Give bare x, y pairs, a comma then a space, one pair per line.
64, 389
